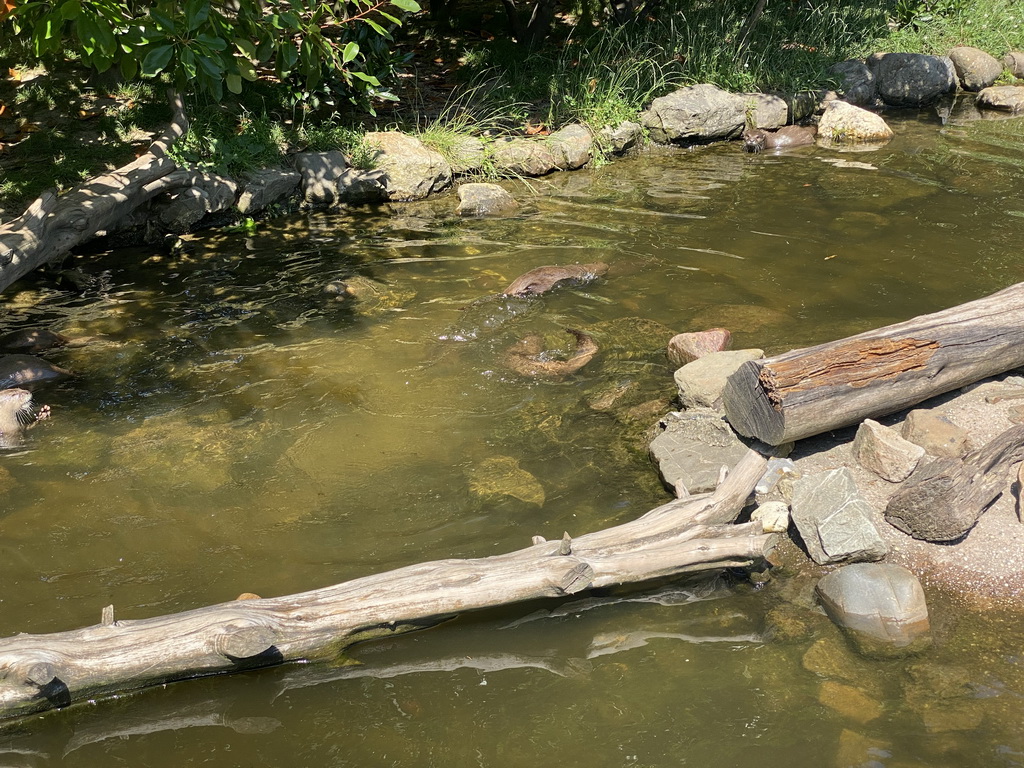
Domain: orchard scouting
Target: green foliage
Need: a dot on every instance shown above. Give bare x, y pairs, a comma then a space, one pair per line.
220, 142
205, 46
936, 26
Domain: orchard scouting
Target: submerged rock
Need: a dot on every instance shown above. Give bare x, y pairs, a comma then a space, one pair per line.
834, 520
880, 605
485, 200
369, 297
502, 476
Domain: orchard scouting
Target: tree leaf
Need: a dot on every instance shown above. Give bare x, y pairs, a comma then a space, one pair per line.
129, 67
157, 59
407, 5
234, 83
70, 9
366, 78
350, 52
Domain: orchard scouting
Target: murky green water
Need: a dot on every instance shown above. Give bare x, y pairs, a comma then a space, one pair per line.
237, 430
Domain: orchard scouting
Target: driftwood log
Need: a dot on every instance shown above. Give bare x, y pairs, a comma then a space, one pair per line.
39, 672
809, 391
943, 499
53, 224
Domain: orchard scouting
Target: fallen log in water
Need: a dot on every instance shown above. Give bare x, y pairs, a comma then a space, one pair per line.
39, 672
809, 391
53, 224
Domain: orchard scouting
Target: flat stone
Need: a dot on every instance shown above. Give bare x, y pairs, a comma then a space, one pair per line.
834, 520
695, 114
773, 515
411, 169
485, 200
975, 69
880, 605
884, 452
1009, 98
1015, 413
692, 447
937, 435
845, 123
684, 348
701, 382
850, 702
265, 187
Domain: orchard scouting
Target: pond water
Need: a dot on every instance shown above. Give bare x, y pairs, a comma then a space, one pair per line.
234, 429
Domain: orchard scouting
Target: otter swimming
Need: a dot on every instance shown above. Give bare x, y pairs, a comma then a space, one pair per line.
758, 139
543, 279
17, 415
528, 357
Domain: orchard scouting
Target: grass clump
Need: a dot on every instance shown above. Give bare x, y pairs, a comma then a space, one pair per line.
935, 26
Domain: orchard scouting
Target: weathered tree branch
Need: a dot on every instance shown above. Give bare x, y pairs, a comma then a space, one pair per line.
39, 672
53, 224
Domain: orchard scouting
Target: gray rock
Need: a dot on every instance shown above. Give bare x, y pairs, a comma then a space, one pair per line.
523, 157
911, 79
355, 187
1014, 62
1008, 98
571, 146
265, 187
937, 435
623, 138
411, 169
884, 452
684, 348
773, 516
881, 606
692, 448
803, 104
857, 81
834, 520
208, 193
701, 382
975, 69
485, 200
845, 123
766, 110
697, 113
320, 173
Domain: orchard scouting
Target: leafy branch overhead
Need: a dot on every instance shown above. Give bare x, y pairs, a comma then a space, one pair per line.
206, 46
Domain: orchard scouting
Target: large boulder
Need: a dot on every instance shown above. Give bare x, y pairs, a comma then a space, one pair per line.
411, 169
845, 123
834, 520
1008, 98
856, 81
912, 79
975, 69
692, 447
695, 114
881, 606
702, 381
766, 110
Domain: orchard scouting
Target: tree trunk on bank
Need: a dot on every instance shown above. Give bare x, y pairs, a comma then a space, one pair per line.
53, 225
809, 391
39, 672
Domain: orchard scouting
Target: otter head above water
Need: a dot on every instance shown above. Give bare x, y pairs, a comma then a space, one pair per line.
755, 140
758, 139
17, 415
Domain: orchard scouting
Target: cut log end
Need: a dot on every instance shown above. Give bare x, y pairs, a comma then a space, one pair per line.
244, 642
749, 407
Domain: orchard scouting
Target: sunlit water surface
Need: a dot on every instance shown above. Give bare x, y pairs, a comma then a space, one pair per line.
235, 429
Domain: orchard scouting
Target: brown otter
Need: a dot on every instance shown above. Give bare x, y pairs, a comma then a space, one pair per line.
543, 279
17, 415
28, 371
528, 357
32, 340
758, 139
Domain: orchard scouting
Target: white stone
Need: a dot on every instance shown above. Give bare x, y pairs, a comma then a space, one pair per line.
774, 516
884, 452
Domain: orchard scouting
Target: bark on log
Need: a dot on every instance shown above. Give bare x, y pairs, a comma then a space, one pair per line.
942, 500
53, 225
39, 672
809, 391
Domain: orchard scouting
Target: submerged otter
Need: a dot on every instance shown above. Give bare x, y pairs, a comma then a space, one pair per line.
543, 279
758, 139
17, 415
528, 357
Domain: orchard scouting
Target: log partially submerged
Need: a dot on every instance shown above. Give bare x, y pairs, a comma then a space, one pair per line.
809, 391
53, 224
39, 672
